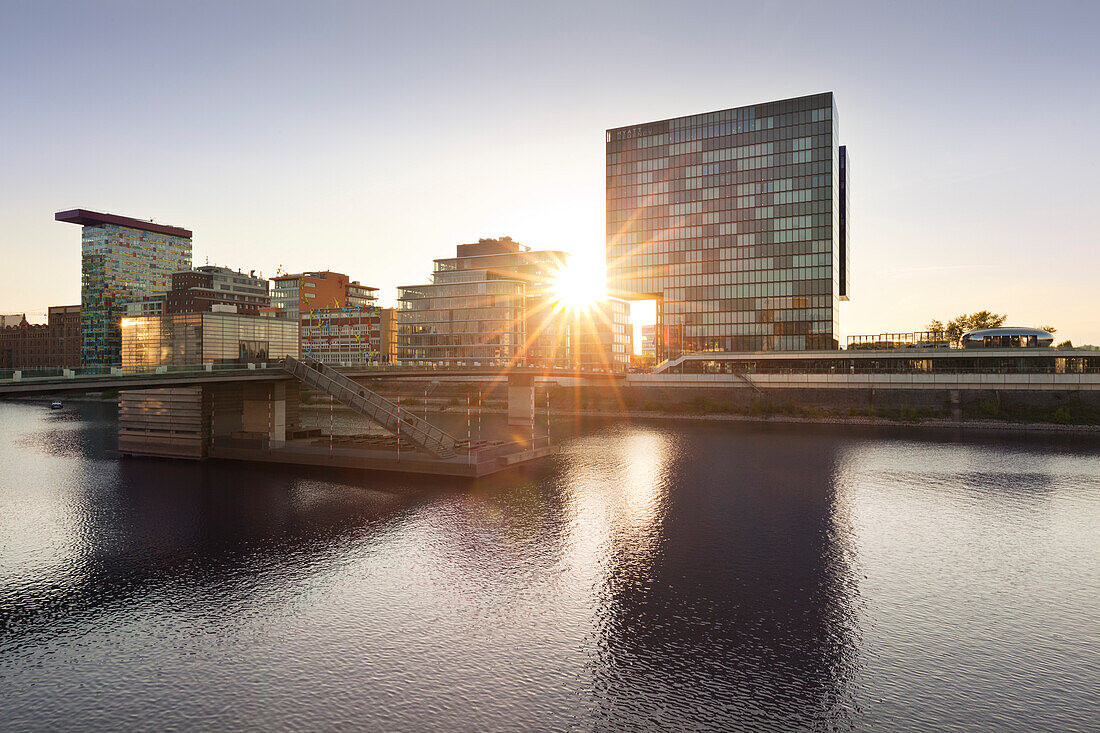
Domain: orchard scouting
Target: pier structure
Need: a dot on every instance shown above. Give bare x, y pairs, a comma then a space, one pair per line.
260, 420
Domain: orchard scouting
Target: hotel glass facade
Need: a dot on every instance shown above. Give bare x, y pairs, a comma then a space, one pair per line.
188, 339
731, 221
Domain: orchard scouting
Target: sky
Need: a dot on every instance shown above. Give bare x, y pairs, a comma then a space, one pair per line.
371, 138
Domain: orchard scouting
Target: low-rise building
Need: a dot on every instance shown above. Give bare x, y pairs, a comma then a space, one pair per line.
220, 336
904, 340
65, 335
199, 289
351, 335
54, 344
24, 345
339, 319
299, 293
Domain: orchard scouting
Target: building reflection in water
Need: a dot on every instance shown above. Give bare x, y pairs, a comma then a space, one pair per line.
722, 587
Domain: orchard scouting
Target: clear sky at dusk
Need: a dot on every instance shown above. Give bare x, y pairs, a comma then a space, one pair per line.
371, 138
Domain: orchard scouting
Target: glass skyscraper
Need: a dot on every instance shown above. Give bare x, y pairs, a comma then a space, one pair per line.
123, 260
735, 223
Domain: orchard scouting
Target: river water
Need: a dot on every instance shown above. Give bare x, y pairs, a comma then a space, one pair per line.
674, 576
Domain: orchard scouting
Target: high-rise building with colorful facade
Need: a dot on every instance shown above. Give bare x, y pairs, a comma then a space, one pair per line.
735, 222
122, 260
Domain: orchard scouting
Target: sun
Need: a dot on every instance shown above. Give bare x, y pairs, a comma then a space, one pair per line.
579, 285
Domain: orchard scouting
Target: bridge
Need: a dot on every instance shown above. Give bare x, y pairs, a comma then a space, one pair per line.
252, 412
29, 382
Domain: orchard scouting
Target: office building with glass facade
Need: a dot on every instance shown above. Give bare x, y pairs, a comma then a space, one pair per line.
216, 337
600, 337
122, 260
731, 221
491, 304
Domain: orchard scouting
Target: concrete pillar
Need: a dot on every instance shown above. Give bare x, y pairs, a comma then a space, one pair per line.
521, 399
264, 411
277, 433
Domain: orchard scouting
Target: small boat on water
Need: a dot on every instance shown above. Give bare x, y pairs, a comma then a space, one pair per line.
55, 405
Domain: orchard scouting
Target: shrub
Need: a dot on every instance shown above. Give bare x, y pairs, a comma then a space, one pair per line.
985, 409
1061, 416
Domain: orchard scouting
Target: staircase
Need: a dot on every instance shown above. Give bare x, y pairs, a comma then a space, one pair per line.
667, 364
371, 405
744, 378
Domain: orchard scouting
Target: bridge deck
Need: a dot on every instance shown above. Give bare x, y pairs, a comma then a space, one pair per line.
60, 381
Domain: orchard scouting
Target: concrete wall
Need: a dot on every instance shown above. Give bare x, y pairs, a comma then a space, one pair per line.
987, 402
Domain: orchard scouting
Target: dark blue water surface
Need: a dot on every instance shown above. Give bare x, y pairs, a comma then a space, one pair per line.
675, 576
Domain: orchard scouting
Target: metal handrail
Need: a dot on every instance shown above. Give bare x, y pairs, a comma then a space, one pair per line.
372, 405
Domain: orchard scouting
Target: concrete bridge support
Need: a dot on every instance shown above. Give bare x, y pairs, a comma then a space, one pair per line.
182, 422
521, 399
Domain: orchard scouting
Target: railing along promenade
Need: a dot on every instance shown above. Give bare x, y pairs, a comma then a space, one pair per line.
14, 381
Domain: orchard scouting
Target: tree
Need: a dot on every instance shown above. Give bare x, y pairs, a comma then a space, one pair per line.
1067, 344
1049, 329
984, 319
959, 325
935, 329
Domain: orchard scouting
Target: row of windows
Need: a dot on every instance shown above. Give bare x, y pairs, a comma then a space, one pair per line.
626, 186
675, 305
698, 214
715, 124
473, 301
707, 288
783, 217
710, 232
674, 159
723, 273
752, 329
459, 314
709, 250
763, 184
465, 327
714, 318
429, 338
820, 172
491, 287
734, 260
649, 205
657, 285
622, 156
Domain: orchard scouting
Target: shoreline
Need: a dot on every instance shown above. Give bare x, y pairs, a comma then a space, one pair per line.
985, 425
